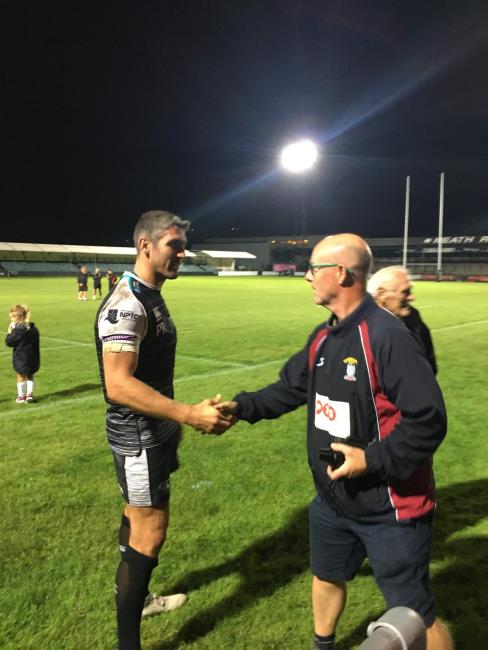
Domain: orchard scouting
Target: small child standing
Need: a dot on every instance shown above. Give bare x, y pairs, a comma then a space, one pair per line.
23, 337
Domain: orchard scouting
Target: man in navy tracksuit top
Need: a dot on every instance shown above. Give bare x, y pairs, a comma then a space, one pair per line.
373, 398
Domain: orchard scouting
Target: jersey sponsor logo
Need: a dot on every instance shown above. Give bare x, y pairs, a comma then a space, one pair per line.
320, 363
118, 337
112, 316
128, 315
326, 409
351, 364
332, 416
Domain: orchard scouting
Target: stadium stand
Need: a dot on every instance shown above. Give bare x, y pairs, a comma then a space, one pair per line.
40, 268
193, 269
463, 257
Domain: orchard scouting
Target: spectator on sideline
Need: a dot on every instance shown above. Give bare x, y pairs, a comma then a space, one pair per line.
82, 282
97, 284
112, 279
375, 418
136, 345
391, 287
23, 337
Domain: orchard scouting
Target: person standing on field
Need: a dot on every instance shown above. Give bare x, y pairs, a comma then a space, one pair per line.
391, 287
82, 283
111, 279
136, 344
375, 418
23, 337
97, 284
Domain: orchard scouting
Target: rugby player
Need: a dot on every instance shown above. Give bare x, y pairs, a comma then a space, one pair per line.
136, 342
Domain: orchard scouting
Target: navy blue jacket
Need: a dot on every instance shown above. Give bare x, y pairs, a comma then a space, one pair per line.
367, 383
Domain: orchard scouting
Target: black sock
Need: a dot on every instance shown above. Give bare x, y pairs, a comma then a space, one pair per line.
324, 642
124, 537
131, 583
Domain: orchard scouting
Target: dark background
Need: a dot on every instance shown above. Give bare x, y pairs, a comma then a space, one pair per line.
110, 109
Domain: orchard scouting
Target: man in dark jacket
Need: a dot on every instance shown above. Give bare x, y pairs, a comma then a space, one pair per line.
375, 418
391, 287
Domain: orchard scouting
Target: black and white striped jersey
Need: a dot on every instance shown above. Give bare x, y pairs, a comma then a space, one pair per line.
134, 317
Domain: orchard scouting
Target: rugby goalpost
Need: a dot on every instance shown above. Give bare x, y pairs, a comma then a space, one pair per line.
440, 231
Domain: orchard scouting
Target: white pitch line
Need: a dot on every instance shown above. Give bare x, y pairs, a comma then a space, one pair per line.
25, 409
207, 360
179, 356
73, 343
454, 327
58, 347
226, 371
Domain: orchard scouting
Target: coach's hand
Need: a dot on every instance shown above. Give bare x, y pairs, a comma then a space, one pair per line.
354, 464
228, 408
205, 417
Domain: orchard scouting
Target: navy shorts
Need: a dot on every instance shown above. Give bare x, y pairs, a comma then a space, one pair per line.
144, 480
399, 555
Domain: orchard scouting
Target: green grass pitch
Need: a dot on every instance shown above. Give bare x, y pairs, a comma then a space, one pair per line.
238, 534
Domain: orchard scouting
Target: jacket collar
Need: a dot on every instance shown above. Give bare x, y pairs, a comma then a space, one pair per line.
359, 314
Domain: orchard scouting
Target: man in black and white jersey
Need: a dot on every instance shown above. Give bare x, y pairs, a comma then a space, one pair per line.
136, 343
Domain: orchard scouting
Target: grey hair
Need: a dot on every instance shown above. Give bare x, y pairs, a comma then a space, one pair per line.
384, 276
156, 222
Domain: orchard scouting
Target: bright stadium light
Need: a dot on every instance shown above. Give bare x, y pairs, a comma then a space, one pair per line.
299, 157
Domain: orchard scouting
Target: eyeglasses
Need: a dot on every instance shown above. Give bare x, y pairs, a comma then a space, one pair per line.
326, 265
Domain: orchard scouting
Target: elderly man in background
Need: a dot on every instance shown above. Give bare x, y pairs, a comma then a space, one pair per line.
391, 287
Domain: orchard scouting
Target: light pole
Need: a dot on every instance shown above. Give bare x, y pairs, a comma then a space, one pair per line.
298, 158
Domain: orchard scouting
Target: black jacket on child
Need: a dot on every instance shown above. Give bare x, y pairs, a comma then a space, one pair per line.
24, 339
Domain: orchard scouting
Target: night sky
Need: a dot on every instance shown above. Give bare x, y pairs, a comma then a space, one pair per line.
112, 108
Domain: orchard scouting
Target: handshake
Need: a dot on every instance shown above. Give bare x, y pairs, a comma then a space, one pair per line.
212, 415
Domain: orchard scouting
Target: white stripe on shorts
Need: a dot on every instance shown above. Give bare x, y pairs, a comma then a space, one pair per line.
137, 477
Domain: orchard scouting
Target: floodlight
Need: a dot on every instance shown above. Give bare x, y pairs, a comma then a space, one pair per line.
298, 157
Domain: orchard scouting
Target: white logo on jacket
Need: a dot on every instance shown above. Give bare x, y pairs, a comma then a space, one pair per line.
332, 416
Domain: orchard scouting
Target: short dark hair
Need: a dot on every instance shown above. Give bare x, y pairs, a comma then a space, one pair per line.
155, 222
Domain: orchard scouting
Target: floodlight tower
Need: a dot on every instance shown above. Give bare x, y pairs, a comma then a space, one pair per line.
298, 158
